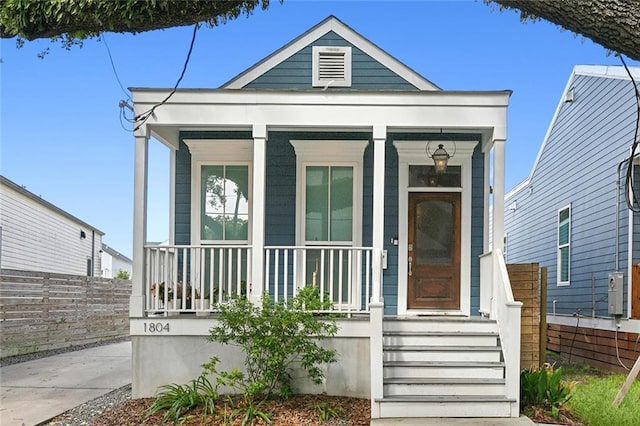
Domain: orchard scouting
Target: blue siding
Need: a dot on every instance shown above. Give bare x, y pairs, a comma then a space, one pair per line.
590, 136
390, 276
295, 72
477, 225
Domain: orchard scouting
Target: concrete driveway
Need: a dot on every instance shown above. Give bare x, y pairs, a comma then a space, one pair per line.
35, 391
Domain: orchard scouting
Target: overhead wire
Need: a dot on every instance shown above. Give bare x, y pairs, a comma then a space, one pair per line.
113, 66
141, 118
632, 197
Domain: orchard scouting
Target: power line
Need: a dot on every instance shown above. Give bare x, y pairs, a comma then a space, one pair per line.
143, 117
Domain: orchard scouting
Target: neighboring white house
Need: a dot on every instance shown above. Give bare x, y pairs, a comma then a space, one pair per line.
36, 235
113, 262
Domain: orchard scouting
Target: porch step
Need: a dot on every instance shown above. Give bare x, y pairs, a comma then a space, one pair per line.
446, 369
449, 324
433, 367
445, 405
442, 353
442, 338
397, 386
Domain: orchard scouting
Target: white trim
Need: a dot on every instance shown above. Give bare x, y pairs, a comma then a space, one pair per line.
598, 323
355, 39
172, 196
316, 80
224, 152
220, 149
560, 283
413, 153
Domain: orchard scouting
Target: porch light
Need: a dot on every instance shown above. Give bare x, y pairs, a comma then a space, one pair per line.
440, 157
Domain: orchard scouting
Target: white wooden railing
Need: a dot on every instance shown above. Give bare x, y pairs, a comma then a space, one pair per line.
193, 278
342, 275
496, 302
186, 278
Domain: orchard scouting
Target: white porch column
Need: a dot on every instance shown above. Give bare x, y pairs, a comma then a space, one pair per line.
137, 299
257, 211
379, 140
376, 305
498, 194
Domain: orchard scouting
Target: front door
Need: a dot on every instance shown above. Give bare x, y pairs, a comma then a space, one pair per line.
434, 250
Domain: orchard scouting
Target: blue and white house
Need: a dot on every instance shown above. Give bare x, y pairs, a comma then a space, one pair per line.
316, 166
570, 214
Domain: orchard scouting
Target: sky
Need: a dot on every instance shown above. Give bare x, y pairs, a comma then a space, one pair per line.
62, 137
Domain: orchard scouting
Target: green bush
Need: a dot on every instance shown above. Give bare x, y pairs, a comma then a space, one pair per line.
273, 337
308, 298
544, 388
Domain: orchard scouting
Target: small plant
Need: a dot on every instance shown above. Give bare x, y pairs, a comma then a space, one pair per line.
178, 399
250, 413
122, 275
544, 388
326, 411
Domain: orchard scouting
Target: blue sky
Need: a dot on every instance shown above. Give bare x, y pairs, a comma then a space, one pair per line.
62, 137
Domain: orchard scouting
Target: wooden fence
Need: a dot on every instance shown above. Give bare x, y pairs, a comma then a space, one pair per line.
527, 285
41, 311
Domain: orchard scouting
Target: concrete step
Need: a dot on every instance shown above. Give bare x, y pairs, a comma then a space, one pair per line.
443, 386
449, 369
442, 353
445, 406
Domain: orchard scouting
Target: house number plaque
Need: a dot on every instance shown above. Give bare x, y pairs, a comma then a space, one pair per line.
156, 327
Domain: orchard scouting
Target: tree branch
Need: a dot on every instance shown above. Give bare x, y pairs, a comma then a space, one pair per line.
614, 24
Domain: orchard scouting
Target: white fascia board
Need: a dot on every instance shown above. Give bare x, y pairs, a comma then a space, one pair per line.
143, 98
607, 71
335, 25
516, 189
561, 103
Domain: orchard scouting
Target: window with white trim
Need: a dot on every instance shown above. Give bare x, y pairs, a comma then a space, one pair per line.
564, 246
329, 215
331, 66
224, 202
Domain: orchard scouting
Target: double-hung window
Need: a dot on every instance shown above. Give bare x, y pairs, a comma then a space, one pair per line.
564, 246
329, 216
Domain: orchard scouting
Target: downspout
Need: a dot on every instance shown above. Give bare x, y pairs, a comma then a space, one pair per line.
616, 254
93, 252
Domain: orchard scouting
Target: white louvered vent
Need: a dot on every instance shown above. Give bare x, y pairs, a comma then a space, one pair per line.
331, 66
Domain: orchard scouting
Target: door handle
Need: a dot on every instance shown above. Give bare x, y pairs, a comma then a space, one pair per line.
410, 263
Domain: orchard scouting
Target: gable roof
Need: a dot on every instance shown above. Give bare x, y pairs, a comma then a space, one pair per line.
115, 253
331, 23
603, 71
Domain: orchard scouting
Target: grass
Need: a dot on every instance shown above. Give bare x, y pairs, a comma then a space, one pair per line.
594, 394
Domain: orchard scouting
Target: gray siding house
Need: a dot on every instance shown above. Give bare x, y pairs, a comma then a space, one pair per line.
317, 167
570, 214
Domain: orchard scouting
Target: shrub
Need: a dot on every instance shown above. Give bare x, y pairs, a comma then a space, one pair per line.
544, 388
273, 337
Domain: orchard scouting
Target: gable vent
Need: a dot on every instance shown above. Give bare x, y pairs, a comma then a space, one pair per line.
331, 66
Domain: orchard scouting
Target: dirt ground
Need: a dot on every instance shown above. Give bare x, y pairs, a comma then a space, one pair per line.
302, 410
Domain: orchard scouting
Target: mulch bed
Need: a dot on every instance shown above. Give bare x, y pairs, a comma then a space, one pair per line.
298, 410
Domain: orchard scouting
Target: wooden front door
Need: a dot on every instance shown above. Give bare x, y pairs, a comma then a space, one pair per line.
635, 292
434, 251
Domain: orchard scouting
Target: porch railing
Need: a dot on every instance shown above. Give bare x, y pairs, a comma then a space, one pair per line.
189, 278
343, 276
497, 302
